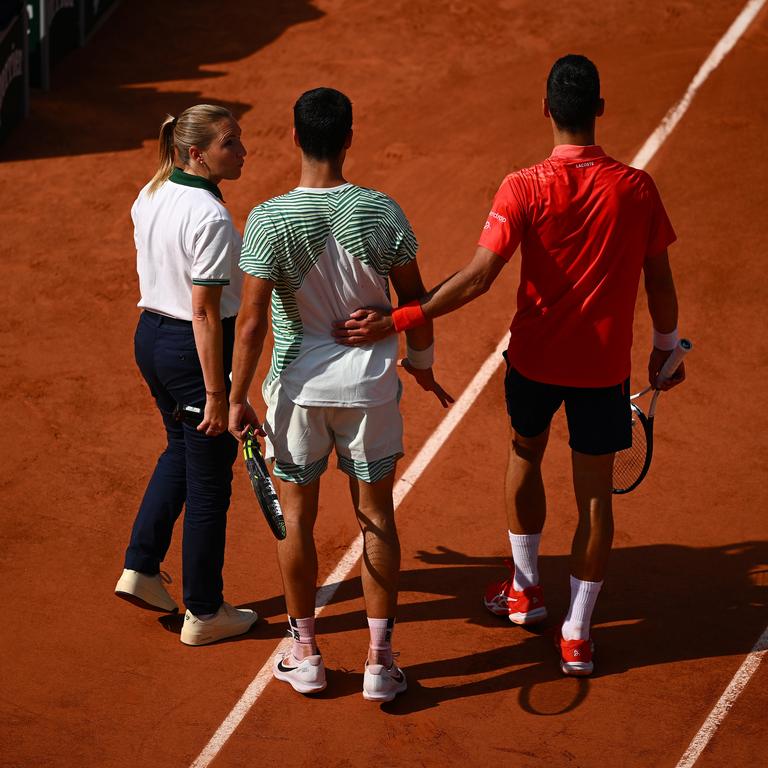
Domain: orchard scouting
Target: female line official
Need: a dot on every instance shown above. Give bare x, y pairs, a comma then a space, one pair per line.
187, 250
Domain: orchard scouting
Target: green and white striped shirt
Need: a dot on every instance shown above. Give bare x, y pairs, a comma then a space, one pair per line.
328, 251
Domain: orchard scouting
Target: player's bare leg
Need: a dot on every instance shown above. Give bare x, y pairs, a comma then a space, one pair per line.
303, 667
296, 553
519, 596
592, 482
591, 548
380, 569
524, 486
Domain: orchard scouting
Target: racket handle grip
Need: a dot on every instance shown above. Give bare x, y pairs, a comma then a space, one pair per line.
684, 346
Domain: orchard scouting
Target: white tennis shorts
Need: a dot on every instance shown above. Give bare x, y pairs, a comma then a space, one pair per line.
368, 441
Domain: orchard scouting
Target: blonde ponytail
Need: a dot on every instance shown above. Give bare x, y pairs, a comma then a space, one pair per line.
166, 153
195, 126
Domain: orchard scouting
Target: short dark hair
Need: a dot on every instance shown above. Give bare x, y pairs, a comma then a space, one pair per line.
323, 119
573, 92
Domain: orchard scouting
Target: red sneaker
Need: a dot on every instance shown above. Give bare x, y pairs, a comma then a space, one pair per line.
525, 607
575, 655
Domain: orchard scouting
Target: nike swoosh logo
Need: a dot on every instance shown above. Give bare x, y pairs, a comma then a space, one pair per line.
399, 677
283, 668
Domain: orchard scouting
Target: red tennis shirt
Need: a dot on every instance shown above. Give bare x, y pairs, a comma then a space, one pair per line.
586, 223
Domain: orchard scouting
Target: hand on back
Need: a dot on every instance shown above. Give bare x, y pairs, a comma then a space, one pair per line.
364, 326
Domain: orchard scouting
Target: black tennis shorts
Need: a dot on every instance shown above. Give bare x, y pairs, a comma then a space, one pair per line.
599, 418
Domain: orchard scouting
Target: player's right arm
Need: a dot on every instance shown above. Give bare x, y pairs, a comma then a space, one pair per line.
408, 285
662, 306
498, 241
259, 263
367, 325
250, 332
465, 285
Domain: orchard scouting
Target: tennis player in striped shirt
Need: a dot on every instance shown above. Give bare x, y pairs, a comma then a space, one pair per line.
316, 254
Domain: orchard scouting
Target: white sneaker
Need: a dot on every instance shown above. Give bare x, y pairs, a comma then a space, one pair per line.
382, 683
305, 676
146, 591
227, 622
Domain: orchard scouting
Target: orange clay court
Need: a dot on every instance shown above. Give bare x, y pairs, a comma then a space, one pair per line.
447, 101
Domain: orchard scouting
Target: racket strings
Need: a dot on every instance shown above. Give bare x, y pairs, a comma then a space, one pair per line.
629, 464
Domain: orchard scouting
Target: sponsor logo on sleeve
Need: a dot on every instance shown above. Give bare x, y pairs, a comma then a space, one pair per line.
494, 215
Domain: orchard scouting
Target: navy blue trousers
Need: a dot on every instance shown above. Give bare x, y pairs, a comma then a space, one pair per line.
193, 470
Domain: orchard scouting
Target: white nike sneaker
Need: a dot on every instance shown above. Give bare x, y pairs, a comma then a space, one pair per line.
382, 683
305, 676
145, 591
227, 622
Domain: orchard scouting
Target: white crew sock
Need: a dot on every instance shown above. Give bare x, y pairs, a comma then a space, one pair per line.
525, 554
579, 617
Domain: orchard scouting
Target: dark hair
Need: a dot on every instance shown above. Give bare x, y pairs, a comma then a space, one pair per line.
573, 92
323, 119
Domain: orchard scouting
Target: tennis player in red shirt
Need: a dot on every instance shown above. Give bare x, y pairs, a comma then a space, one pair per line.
587, 226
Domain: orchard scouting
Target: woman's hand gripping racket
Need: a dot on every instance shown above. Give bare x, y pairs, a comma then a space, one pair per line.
631, 465
262, 484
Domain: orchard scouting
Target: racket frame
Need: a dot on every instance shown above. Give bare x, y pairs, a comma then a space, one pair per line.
647, 424
262, 485
672, 363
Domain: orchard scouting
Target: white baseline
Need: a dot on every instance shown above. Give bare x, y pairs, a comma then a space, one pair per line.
456, 414
726, 701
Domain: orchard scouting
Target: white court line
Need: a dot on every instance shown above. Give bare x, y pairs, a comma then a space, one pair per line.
464, 403
727, 700
719, 52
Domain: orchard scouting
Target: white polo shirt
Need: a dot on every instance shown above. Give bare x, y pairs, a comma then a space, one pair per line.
184, 236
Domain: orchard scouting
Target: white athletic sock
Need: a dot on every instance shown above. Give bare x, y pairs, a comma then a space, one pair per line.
525, 554
579, 618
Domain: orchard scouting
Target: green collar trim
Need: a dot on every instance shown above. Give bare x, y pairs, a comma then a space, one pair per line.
189, 180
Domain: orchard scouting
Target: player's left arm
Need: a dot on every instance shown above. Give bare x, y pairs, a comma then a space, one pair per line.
662, 307
250, 332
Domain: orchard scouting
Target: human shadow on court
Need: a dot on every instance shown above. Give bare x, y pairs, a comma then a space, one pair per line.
112, 94
661, 604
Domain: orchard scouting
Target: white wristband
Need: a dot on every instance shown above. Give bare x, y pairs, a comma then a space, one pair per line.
665, 341
421, 358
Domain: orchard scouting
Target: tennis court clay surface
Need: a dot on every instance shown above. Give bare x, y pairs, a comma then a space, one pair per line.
447, 101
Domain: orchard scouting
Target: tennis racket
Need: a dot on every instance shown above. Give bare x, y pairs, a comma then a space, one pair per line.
262, 485
631, 465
